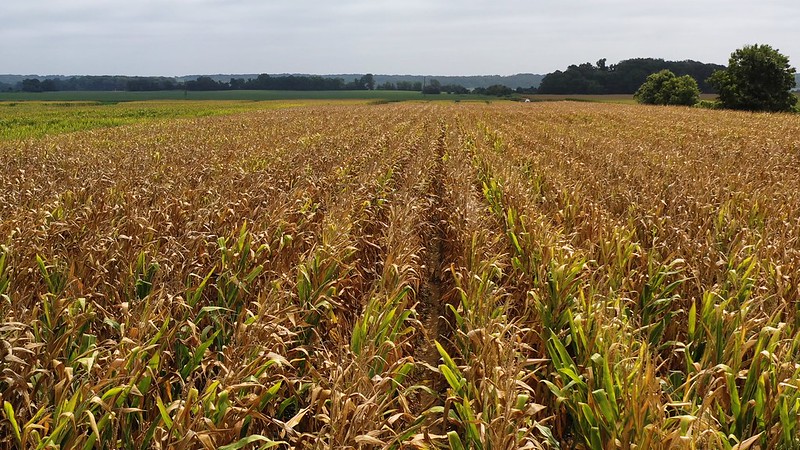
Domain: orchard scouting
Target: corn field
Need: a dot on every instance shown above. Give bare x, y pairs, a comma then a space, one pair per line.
414, 275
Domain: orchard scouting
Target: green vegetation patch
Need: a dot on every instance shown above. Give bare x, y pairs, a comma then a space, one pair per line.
36, 119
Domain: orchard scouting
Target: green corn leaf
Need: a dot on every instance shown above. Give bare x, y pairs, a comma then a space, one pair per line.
193, 296
55, 436
271, 392
559, 393
522, 400
471, 423
588, 414
447, 359
761, 397
157, 338
515, 243
736, 405
571, 375
286, 403
787, 423
254, 273
455, 441
559, 355
148, 437
112, 392
9, 410
43, 270
548, 434
402, 372
458, 317
453, 380
596, 440
359, 336
164, 414
606, 407
268, 443
608, 380
223, 403
198, 356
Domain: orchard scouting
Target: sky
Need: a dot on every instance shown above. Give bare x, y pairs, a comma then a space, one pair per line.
433, 37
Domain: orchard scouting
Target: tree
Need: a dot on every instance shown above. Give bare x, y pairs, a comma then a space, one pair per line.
205, 83
237, 83
31, 85
409, 85
682, 91
499, 90
49, 85
664, 88
758, 78
455, 89
368, 82
432, 87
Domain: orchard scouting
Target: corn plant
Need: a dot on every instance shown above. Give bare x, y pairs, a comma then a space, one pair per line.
655, 304
278, 275
5, 277
143, 275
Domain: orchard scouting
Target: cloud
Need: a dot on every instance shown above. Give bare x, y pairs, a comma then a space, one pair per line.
174, 37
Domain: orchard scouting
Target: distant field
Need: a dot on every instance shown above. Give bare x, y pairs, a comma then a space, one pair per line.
104, 96
37, 119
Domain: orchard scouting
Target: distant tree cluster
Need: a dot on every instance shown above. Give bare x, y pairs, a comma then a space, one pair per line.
433, 86
98, 83
149, 84
497, 90
207, 83
409, 85
319, 83
758, 78
203, 83
282, 83
624, 77
665, 88
527, 90
454, 89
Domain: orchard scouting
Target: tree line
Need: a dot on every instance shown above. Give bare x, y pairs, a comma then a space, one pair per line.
203, 83
207, 83
624, 77
261, 82
96, 83
282, 83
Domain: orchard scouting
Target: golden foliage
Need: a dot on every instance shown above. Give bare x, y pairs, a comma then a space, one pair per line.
405, 275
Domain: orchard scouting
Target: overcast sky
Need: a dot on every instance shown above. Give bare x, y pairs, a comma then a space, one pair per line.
444, 37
